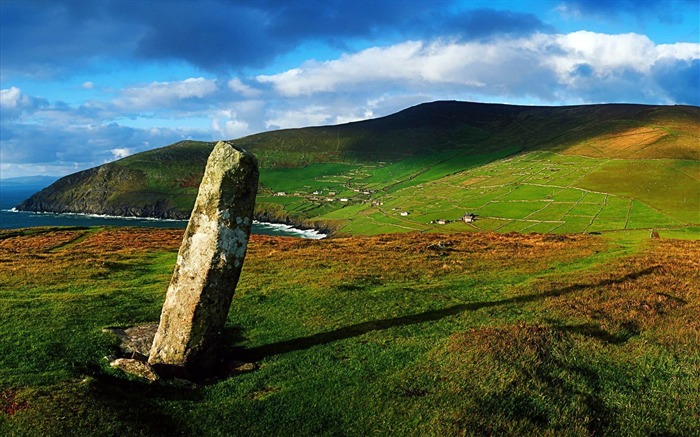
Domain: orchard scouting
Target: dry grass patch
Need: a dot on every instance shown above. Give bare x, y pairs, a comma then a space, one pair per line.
629, 143
48, 259
396, 257
655, 293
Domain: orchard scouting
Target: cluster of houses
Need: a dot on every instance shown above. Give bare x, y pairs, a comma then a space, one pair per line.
366, 192
330, 197
466, 218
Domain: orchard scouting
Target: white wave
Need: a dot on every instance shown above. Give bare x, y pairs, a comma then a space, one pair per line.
99, 216
311, 234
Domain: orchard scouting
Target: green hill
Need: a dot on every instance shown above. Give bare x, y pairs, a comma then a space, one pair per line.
517, 168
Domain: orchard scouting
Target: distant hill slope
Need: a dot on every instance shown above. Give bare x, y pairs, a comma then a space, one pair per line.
547, 169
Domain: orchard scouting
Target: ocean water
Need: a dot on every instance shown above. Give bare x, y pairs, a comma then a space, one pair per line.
11, 219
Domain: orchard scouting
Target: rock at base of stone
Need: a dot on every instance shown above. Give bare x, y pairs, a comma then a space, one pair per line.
135, 367
236, 367
135, 342
132, 358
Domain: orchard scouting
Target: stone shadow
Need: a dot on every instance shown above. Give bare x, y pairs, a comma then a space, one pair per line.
356, 330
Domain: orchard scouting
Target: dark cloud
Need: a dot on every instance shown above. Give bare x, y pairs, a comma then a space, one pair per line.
481, 23
42, 37
214, 35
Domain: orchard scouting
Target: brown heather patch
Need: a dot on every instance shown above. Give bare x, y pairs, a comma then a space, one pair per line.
398, 257
9, 404
510, 344
109, 240
506, 377
23, 256
623, 144
473, 180
191, 181
45, 259
36, 242
566, 372
667, 133
132, 240
656, 293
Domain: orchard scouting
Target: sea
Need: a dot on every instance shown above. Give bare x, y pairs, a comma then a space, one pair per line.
11, 196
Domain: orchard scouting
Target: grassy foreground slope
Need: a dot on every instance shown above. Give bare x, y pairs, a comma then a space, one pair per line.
403, 334
546, 169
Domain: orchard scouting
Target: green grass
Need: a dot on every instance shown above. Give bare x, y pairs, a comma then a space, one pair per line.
530, 192
310, 178
384, 335
660, 183
508, 189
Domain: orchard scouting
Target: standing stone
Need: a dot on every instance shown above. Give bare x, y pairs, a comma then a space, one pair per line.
208, 266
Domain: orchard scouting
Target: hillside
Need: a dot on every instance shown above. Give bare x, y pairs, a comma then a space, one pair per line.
545, 169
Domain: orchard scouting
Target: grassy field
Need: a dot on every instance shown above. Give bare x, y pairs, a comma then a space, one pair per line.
402, 334
525, 192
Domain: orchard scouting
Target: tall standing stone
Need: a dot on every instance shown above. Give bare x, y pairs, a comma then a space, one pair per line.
208, 266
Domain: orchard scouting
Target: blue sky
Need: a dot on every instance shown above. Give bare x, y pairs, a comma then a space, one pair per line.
87, 82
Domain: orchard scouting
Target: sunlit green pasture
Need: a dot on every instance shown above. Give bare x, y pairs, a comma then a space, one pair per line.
526, 192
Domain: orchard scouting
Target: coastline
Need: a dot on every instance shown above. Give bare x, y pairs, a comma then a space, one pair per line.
301, 231
90, 215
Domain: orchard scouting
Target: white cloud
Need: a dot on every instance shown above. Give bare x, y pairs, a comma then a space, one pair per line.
473, 65
541, 66
312, 115
10, 97
226, 124
681, 51
349, 118
236, 85
373, 64
88, 85
120, 153
606, 54
159, 94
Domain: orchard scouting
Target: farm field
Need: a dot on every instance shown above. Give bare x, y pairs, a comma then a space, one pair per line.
401, 334
524, 192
